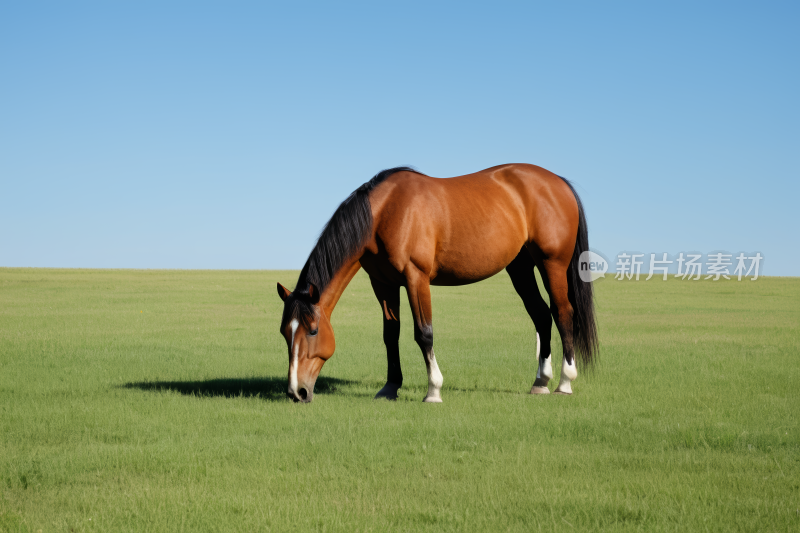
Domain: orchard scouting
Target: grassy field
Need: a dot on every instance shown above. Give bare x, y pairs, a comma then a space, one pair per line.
154, 401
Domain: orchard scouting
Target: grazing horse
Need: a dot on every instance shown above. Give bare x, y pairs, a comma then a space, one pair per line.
408, 229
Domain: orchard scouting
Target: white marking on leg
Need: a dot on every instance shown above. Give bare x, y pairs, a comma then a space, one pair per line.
293, 362
568, 373
435, 381
545, 371
569, 369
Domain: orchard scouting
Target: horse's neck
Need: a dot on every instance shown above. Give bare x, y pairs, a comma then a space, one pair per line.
330, 296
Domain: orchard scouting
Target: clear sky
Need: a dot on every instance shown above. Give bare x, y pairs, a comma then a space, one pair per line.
223, 135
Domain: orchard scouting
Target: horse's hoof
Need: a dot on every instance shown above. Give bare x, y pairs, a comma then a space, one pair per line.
432, 399
388, 392
565, 387
392, 397
540, 390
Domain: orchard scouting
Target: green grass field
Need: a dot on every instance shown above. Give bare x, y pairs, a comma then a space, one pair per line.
154, 401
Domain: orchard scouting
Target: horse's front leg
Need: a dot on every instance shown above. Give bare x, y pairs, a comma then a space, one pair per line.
419, 296
389, 298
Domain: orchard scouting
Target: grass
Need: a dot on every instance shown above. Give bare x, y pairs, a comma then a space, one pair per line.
154, 401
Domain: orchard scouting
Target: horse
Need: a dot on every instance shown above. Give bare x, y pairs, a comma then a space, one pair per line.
407, 229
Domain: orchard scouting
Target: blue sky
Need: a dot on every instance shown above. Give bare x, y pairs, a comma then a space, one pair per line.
223, 135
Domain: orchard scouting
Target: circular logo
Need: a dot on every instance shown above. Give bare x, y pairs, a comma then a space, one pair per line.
592, 266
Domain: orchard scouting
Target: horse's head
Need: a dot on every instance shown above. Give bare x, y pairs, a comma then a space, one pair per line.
309, 337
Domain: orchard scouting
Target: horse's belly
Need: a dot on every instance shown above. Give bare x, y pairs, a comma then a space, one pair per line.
481, 259
450, 279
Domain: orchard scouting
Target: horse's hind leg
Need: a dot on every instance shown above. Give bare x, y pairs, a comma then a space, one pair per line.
524, 281
561, 308
389, 298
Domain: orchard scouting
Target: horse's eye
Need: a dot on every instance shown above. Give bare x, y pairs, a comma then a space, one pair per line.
313, 332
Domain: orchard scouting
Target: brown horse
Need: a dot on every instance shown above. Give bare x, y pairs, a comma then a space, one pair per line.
408, 229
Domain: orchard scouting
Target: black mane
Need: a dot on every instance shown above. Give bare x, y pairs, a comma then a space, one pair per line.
344, 235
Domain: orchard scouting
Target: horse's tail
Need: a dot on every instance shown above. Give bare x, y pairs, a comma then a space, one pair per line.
581, 296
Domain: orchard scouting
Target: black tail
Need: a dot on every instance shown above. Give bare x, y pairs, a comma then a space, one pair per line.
581, 296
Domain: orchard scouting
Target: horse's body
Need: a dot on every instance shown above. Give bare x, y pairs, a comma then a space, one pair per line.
408, 229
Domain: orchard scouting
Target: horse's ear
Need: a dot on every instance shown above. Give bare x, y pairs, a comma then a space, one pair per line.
283, 292
313, 293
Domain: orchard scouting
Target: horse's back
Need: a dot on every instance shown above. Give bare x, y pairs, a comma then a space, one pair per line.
467, 228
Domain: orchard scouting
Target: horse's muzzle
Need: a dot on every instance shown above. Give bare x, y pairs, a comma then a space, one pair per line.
301, 395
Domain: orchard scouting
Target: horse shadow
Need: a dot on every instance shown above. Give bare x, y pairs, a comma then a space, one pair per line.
267, 388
